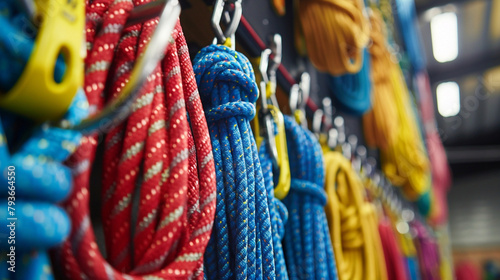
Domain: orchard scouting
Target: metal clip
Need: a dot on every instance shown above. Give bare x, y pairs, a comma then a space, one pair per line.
221, 36
299, 94
317, 121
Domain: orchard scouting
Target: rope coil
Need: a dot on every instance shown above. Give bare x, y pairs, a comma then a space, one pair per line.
308, 251
242, 242
352, 222
335, 33
156, 144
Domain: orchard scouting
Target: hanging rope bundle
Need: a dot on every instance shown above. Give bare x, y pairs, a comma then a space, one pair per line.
441, 177
279, 213
335, 33
158, 145
405, 162
241, 245
352, 222
391, 125
406, 16
35, 180
380, 125
353, 91
308, 251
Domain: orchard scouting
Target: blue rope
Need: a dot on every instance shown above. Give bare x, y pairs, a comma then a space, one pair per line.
407, 19
307, 245
279, 213
241, 244
41, 181
353, 91
413, 268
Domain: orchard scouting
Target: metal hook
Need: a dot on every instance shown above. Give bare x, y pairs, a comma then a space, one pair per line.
294, 98
328, 108
305, 90
276, 52
339, 125
276, 49
121, 107
221, 36
317, 121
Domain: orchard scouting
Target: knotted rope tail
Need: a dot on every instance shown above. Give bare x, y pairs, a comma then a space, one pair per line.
351, 222
308, 251
176, 210
335, 33
241, 245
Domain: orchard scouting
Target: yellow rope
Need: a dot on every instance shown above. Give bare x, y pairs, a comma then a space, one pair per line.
335, 33
381, 123
391, 125
352, 223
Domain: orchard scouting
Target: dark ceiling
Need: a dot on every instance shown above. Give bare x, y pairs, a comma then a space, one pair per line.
473, 136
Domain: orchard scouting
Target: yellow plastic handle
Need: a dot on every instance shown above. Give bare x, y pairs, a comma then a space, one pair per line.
283, 187
36, 94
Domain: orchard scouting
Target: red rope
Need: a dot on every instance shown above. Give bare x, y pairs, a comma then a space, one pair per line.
394, 260
157, 145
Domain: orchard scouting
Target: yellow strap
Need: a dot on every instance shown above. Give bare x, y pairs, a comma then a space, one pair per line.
352, 224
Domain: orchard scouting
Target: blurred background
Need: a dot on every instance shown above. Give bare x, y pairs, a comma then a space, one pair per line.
462, 45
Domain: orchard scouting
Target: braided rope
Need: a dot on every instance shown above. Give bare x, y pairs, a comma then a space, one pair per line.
279, 213
353, 91
308, 251
241, 245
352, 221
157, 145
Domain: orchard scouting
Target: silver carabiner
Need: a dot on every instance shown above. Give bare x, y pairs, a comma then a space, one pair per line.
219, 7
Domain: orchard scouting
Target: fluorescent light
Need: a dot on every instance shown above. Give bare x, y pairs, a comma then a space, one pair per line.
444, 37
448, 99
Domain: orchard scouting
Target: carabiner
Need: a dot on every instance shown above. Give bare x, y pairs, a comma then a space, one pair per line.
270, 117
219, 7
299, 94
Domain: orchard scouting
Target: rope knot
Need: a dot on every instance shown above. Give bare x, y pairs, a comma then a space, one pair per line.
222, 74
311, 189
231, 109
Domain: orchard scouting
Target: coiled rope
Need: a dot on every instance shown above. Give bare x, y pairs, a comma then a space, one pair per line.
34, 180
279, 213
157, 144
335, 33
391, 124
407, 17
380, 125
441, 175
353, 91
405, 162
352, 222
241, 244
308, 251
